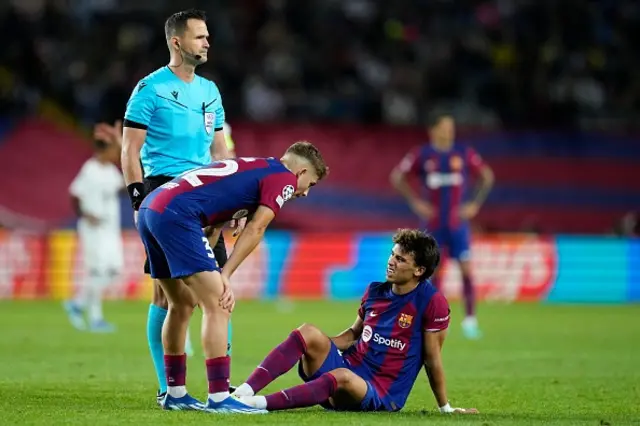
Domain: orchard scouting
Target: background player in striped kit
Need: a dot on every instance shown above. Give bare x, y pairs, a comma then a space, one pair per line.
444, 168
171, 118
372, 365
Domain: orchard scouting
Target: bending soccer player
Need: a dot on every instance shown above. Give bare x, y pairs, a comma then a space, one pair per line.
171, 221
372, 365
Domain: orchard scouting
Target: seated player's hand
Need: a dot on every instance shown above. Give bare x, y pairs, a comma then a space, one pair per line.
423, 209
227, 300
465, 411
239, 225
469, 210
448, 409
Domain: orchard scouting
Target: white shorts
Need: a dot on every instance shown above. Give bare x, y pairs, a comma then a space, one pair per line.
102, 251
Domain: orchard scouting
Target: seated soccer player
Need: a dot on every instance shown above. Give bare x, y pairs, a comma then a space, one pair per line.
372, 365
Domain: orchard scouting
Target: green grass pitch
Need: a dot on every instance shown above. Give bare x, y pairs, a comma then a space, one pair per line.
537, 364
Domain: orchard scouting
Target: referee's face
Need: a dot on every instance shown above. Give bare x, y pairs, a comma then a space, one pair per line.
195, 41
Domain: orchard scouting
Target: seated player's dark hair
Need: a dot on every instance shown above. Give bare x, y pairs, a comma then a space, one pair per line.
310, 153
434, 117
422, 246
176, 24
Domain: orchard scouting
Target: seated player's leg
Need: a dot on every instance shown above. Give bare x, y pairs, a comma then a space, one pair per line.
461, 252
341, 388
307, 345
191, 258
174, 363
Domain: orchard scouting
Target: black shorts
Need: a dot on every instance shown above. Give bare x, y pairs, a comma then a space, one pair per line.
219, 250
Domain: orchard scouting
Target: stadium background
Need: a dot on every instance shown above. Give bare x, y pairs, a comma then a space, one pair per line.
548, 92
548, 100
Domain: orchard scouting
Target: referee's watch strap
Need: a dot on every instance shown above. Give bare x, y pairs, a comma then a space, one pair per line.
136, 194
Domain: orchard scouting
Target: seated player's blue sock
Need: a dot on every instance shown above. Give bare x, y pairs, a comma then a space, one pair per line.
229, 336
155, 320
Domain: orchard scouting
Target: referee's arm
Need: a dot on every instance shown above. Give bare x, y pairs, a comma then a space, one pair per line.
219, 150
140, 108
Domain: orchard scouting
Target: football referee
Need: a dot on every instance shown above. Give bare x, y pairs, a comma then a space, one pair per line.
171, 119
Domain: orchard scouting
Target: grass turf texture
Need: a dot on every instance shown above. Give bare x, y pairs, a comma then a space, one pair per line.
536, 364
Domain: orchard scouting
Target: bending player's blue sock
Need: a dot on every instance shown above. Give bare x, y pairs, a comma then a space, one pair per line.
155, 319
229, 336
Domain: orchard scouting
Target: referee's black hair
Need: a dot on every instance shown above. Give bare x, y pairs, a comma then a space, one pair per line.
176, 24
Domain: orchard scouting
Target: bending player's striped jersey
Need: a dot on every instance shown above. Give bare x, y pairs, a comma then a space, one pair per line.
389, 354
225, 190
445, 177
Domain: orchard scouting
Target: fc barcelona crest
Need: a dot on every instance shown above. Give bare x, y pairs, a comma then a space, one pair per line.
209, 118
405, 320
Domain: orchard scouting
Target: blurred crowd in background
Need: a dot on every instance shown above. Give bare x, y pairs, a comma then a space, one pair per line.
495, 63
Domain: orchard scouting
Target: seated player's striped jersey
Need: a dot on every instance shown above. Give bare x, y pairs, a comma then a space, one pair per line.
390, 352
445, 178
225, 190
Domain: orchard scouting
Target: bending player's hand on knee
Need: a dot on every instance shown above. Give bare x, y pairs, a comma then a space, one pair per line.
227, 300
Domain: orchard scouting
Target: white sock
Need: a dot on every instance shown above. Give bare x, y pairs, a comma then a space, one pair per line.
94, 292
177, 391
244, 390
260, 402
219, 396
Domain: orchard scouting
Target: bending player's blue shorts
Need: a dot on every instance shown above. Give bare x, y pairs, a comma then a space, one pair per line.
371, 401
457, 241
175, 247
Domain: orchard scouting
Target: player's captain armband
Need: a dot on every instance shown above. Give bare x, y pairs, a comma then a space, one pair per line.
136, 194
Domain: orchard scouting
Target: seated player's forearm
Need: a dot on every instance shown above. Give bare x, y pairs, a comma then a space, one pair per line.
435, 373
246, 243
345, 339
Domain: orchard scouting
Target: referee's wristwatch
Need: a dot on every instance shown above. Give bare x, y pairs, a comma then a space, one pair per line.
136, 194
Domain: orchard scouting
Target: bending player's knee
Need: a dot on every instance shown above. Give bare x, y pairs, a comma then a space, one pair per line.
183, 310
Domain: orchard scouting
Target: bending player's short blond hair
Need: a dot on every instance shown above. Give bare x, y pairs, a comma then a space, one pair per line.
310, 153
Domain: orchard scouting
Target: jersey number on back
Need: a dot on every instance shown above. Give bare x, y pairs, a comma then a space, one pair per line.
229, 168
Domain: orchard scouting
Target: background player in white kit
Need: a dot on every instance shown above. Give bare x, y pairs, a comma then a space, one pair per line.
95, 197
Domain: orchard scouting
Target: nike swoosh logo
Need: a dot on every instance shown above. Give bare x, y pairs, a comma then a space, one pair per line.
373, 314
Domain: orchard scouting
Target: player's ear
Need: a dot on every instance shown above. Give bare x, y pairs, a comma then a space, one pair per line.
302, 171
419, 271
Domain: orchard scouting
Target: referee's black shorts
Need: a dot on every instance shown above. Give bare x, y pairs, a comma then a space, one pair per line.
220, 251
